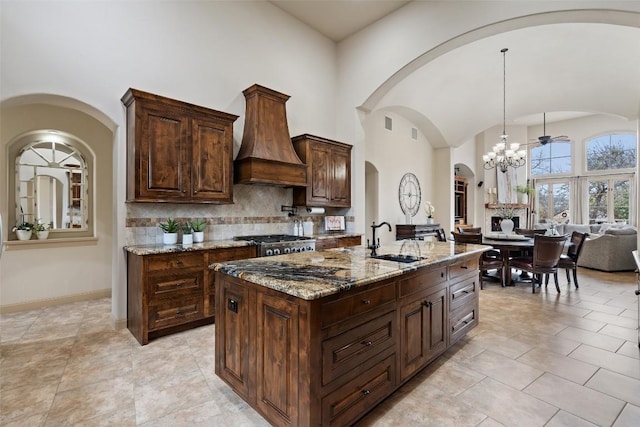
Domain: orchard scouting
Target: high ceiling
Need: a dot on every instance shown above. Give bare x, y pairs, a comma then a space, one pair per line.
338, 19
566, 69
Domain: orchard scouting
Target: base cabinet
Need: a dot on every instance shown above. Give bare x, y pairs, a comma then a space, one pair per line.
338, 242
174, 290
330, 361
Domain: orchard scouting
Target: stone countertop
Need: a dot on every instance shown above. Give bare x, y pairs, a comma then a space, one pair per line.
159, 248
313, 275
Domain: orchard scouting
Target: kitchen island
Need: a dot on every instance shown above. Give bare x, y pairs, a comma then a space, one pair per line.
320, 338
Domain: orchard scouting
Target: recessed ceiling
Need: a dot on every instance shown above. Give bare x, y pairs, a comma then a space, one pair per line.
338, 19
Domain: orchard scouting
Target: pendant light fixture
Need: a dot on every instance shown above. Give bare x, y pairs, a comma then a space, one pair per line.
503, 154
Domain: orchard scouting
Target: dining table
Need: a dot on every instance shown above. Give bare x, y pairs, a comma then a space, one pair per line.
507, 244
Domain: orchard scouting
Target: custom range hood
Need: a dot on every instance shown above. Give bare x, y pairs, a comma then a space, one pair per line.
266, 155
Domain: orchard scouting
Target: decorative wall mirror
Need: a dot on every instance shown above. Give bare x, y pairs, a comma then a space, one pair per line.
51, 184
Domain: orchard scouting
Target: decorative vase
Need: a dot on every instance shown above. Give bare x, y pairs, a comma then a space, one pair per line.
429, 220
170, 238
506, 225
23, 234
198, 236
524, 198
187, 239
42, 235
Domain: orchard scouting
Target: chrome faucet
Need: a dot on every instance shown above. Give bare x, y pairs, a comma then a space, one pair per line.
376, 244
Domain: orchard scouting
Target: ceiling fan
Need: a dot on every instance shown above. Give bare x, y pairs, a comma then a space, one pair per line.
545, 139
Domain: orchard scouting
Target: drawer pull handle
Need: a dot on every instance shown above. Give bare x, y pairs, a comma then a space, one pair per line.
366, 301
179, 262
464, 267
442, 274
366, 392
427, 304
179, 313
367, 343
179, 284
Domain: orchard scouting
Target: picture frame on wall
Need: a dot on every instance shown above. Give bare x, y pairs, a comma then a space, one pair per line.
506, 186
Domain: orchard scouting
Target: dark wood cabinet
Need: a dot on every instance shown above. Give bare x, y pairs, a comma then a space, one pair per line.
177, 152
328, 172
167, 292
338, 242
460, 199
416, 231
327, 362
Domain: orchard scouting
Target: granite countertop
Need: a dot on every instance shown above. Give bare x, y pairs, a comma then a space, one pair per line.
313, 275
160, 248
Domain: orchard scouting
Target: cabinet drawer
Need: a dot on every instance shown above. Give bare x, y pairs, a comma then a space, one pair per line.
422, 280
175, 312
463, 292
346, 404
462, 321
358, 303
231, 254
349, 241
172, 286
175, 262
463, 267
347, 351
322, 244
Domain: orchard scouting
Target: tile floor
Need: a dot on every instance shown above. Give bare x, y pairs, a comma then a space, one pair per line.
535, 360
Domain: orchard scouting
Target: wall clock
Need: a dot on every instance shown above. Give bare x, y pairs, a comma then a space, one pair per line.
409, 194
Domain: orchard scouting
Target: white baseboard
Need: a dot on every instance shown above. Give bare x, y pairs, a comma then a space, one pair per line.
32, 305
118, 324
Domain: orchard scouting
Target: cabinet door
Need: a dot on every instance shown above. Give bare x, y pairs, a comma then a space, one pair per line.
234, 337
163, 169
212, 157
277, 358
320, 175
341, 177
423, 329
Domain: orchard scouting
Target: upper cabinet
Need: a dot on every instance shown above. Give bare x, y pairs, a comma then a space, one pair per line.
177, 152
328, 172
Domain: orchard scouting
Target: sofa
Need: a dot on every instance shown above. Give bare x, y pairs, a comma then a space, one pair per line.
608, 247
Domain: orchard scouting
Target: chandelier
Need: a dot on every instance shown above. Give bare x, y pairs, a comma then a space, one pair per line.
504, 154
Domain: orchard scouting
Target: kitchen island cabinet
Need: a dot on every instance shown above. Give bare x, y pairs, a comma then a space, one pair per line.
170, 287
320, 338
339, 241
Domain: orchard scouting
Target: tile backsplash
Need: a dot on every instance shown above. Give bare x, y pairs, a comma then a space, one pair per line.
257, 210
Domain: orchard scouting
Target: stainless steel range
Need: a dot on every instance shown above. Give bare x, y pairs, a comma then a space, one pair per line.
278, 244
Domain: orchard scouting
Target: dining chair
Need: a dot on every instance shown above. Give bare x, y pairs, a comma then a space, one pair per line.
441, 236
529, 232
544, 260
570, 260
489, 260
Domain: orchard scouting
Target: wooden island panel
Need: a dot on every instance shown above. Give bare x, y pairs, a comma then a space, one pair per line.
329, 361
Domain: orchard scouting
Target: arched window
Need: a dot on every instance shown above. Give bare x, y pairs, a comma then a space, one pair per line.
52, 183
551, 159
607, 152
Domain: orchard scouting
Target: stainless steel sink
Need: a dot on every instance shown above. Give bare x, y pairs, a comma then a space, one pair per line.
399, 258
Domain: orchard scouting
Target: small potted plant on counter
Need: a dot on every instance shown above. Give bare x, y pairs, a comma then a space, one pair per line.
41, 229
170, 229
187, 236
198, 226
23, 230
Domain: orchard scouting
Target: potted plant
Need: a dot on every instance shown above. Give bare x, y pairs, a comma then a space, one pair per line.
170, 229
525, 192
198, 226
23, 230
429, 209
187, 237
41, 229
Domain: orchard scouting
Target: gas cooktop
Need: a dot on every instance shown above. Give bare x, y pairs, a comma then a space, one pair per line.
272, 238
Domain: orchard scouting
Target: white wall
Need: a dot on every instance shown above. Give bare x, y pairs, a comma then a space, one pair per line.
205, 53
394, 153
47, 270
